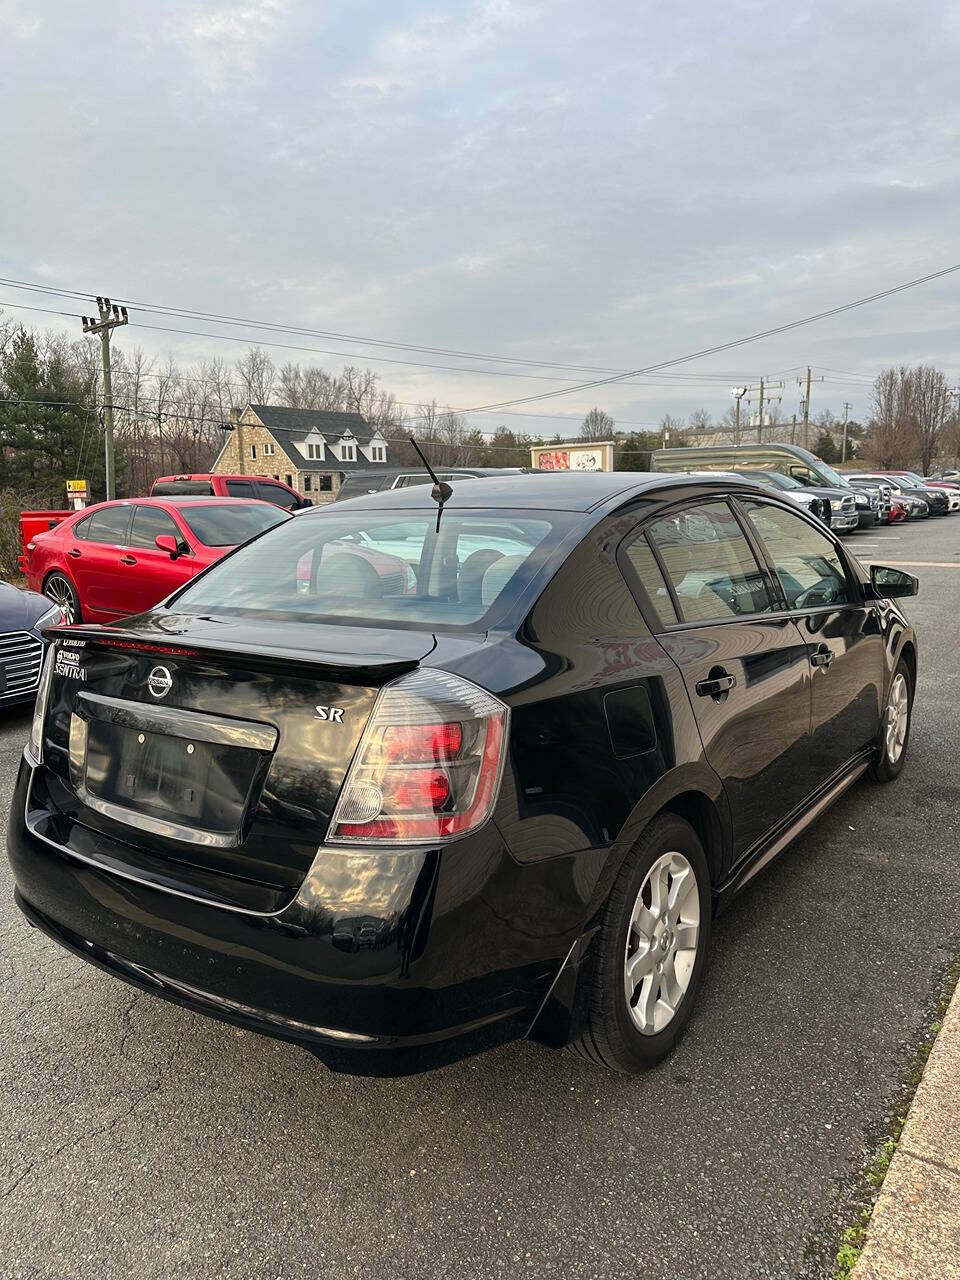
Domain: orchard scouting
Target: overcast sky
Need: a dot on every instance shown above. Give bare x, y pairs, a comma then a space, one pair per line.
606, 184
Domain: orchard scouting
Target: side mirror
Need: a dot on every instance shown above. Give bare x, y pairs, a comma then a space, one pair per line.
167, 542
891, 584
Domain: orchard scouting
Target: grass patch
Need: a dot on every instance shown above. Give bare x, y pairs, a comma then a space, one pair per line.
854, 1237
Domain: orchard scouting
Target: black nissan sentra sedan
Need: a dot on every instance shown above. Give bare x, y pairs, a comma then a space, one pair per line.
400, 782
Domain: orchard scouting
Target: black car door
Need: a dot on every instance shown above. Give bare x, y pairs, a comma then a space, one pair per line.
840, 626
744, 662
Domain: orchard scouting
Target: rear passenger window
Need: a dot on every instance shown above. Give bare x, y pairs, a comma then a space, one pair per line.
108, 525
240, 489
644, 564
711, 567
807, 563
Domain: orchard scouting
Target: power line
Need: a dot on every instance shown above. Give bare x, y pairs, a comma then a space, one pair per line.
692, 381
305, 331
727, 346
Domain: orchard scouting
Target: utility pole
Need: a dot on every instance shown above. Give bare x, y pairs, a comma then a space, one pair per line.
847, 406
793, 430
738, 393
806, 408
110, 317
768, 391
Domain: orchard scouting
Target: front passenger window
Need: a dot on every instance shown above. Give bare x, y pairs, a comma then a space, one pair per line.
713, 572
807, 563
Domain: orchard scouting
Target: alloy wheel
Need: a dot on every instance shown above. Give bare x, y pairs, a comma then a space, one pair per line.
662, 943
59, 590
898, 712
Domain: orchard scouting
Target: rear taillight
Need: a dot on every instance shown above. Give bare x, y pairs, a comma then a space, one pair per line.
40, 706
428, 765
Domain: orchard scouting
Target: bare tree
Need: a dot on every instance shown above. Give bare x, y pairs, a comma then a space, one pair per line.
891, 420
597, 425
700, 421
258, 376
931, 399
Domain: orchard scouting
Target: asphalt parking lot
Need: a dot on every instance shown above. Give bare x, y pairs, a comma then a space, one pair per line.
137, 1139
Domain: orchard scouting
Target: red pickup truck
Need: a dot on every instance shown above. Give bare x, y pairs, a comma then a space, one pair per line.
30, 524
203, 484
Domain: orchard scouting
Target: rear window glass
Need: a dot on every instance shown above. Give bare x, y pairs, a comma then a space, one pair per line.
217, 526
382, 567
171, 488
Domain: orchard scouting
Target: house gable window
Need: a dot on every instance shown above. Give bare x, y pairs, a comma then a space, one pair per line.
378, 453
348, 451
268, 450
253, 452
315, 451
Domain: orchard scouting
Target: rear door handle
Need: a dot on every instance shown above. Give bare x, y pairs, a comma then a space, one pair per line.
128, 560
715, 685
75, 552
822, 657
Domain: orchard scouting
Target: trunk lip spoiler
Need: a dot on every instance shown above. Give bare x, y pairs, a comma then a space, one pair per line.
378, 667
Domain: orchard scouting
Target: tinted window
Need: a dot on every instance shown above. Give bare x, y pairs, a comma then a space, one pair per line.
807, 563
240, 489
710, 565
279, 496
374, 567
148, 524
227, 526
109, 525
644, 564
171, 488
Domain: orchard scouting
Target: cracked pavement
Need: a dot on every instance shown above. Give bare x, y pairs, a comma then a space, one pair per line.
137, 1139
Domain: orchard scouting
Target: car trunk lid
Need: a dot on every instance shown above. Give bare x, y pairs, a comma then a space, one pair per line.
211, 748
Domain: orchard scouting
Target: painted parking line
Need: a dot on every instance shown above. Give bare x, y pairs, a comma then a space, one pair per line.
925, 564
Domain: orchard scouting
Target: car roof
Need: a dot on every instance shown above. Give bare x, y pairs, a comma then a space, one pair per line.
184, 500
547, 491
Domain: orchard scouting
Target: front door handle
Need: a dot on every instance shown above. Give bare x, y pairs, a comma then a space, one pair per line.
822, 657
128, 560
718, 683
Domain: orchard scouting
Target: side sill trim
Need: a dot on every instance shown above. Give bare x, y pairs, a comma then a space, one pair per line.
742, 875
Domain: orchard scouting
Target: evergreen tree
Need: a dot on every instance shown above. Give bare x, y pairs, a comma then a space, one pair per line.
48, 423
825, 447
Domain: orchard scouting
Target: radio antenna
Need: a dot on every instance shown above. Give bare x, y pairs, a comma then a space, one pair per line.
441, 491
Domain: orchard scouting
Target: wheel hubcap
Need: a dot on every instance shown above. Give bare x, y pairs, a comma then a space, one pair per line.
898, 708
58, 590
661, 943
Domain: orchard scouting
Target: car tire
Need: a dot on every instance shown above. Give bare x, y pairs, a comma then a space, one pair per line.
894, 727
58, 588
613, 1036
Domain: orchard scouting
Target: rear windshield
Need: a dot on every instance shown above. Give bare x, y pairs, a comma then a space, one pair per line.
382, 567
171, 488
217, 526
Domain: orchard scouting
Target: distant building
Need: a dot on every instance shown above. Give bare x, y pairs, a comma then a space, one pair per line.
309, 449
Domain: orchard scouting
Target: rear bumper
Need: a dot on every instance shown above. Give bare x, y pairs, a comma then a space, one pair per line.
384, 964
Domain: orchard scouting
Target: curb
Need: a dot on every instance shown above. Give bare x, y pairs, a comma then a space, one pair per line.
914, 1230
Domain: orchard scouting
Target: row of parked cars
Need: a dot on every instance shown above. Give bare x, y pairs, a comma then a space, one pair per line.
405, 777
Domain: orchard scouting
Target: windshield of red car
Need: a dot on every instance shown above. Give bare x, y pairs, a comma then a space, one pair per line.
382, 567
228, 525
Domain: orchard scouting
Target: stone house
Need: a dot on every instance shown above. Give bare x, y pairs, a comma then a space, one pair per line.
309, 449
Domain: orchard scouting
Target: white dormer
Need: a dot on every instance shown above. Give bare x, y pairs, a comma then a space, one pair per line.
376, 449
348, 447
314, 447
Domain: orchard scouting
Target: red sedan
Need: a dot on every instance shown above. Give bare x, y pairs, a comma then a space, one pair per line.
119, 558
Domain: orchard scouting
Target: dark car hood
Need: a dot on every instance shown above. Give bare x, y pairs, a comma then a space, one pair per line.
19, 610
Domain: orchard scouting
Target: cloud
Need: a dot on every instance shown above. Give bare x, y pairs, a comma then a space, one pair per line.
225, 42
19, 19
